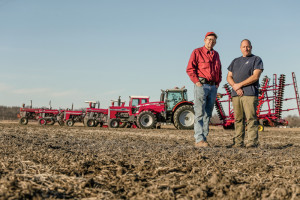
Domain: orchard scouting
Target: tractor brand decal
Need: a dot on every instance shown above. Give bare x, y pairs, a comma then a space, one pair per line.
150, 104
122, 109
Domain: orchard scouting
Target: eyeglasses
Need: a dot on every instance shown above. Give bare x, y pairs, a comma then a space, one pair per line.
211, 40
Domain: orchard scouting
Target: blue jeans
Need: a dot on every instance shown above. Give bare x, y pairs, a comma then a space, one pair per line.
205, 97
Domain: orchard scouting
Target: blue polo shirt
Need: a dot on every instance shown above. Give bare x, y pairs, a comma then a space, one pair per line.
242, 68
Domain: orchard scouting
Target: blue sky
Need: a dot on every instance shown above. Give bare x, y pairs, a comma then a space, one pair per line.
70, 51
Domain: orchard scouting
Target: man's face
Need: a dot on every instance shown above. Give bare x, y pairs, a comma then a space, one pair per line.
246, 48
210, 42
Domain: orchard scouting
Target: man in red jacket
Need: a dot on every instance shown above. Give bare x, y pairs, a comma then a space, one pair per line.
204, 70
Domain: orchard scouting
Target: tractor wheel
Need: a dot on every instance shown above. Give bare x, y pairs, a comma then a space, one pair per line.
70, 122
96, 123
23, 121
158, 126
146, 120
90, 123
231, 126
50, 121
123, 125
261, 128
113, 123
42, 122
184, 117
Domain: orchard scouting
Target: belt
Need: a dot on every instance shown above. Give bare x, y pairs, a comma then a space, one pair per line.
204, 81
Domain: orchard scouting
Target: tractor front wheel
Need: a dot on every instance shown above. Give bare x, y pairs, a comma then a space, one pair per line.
113, 123
50, 121
42, 122
146, 120
70, 122
184, 117
23, 121
90, 123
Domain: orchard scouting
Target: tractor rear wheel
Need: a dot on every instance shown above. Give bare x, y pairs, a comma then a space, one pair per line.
113, 123
184, 117
70, 122
42, 122
50, 121
146, 120
23, 121
90, 123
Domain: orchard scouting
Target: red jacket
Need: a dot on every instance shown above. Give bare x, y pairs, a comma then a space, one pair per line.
206, 64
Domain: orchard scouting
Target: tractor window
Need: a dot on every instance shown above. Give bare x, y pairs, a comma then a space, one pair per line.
144, 101
135, 102
172, 99
185, 96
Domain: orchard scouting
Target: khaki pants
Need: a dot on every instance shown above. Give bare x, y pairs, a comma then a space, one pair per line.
245, 109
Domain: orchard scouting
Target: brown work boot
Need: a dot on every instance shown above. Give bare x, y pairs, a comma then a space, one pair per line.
251, 145
235, 145
201, 144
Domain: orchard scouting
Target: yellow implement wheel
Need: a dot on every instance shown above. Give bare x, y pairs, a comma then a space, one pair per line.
261, 128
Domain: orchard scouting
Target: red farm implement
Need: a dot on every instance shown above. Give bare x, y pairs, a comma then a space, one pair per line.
28, 113
94, 116
70, 116
221, 99
271, 99
173, 107
270, 105
121, 116
50, 116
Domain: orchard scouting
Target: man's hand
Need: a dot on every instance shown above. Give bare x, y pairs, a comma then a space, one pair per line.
240, 92
198, 84
236, 86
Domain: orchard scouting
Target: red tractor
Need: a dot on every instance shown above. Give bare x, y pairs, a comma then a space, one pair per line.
94, 116
173, 107
27, 113
73, 116
121, 116
70, 116
50, 116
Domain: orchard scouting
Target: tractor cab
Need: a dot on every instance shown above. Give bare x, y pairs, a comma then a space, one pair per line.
172, 97
134, 101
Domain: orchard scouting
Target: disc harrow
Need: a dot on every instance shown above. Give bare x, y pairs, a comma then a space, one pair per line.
270, 103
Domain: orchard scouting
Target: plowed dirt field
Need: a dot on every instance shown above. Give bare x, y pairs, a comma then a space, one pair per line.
55, 162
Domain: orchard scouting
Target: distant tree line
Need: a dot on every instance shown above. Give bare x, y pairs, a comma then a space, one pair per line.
9, 113
293, 120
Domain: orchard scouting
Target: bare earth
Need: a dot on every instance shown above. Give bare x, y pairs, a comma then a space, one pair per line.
99, 163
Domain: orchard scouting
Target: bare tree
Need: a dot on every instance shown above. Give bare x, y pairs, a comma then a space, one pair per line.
9, 113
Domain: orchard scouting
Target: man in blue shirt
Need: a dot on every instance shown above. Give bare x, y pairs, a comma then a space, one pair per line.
243, 76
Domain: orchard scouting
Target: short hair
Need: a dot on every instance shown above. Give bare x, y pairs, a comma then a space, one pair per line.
247, 41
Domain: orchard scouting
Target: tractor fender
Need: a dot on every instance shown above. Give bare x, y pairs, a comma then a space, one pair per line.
155, 107
181, 104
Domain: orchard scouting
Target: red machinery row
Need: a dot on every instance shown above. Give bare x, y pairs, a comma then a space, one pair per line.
270, 103
173, 107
